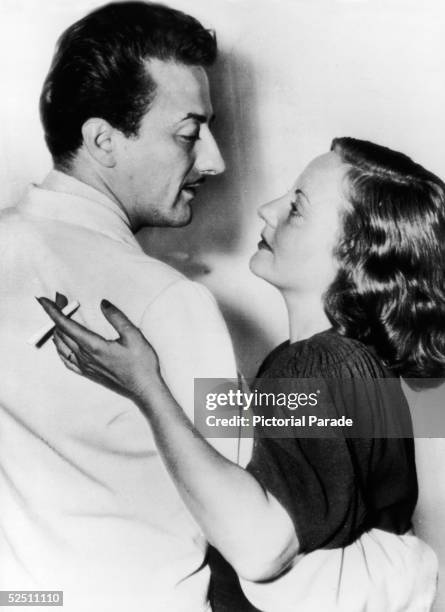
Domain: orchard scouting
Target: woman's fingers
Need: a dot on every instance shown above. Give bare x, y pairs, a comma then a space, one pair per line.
61, 300
66, 341
72, 329
120, 365
71, 366
66, 354
117, 319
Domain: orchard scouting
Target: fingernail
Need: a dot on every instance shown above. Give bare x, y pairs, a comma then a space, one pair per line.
105, 304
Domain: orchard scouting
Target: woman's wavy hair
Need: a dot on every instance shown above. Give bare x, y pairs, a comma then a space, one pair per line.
389, 291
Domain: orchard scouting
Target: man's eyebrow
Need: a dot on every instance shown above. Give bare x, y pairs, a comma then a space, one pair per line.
199, 118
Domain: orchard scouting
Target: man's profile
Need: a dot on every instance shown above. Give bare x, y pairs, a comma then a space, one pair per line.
88, 507
95, 101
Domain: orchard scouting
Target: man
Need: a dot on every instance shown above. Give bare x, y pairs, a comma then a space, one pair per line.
87, 506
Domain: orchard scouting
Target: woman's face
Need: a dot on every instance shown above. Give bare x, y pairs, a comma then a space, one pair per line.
302, 228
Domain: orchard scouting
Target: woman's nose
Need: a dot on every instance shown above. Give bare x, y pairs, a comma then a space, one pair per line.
270, 212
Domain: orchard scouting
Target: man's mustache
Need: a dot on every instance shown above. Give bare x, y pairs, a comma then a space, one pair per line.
194, 183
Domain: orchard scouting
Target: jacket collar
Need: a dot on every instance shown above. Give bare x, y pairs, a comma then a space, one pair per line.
63, 198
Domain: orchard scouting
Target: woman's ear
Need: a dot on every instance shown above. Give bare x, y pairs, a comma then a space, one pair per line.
98, 140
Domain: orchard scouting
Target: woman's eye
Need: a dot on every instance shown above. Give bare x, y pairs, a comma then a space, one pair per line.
295, 210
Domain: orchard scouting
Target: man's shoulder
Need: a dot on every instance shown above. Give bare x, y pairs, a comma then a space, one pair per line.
178, 294
169, 283
12, 225
9, 215
153, 268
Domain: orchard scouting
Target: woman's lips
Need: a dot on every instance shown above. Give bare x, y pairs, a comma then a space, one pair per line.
263, 244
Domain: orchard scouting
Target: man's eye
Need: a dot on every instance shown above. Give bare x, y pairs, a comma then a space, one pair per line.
190, 137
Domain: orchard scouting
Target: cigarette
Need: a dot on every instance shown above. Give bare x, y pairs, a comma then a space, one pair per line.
36, 338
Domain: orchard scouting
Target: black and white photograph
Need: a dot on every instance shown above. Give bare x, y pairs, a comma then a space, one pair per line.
222, 305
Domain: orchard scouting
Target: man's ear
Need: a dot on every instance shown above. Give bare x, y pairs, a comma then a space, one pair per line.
98, 139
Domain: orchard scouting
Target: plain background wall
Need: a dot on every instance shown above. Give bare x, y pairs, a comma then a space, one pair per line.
292, 75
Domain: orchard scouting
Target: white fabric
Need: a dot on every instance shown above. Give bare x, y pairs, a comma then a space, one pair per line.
380, 572
86, 503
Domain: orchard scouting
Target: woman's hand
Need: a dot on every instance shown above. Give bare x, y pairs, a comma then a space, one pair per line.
127, 365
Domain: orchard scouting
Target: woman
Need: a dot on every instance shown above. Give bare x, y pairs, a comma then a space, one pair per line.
357, 250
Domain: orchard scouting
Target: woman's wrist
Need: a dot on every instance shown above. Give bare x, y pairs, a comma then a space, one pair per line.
150, 396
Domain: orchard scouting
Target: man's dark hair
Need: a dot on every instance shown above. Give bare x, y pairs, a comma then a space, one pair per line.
390, 289
99, 69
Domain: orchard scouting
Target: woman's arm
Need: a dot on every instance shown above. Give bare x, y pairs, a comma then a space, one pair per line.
247, 524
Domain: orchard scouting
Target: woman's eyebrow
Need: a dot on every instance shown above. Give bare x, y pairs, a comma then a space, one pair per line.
299, 191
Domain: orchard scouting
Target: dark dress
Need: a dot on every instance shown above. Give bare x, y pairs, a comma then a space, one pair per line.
333, 489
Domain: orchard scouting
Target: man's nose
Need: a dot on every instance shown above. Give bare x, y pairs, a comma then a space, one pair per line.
208, 156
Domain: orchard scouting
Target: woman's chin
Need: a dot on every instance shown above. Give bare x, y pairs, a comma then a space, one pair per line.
259, 267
